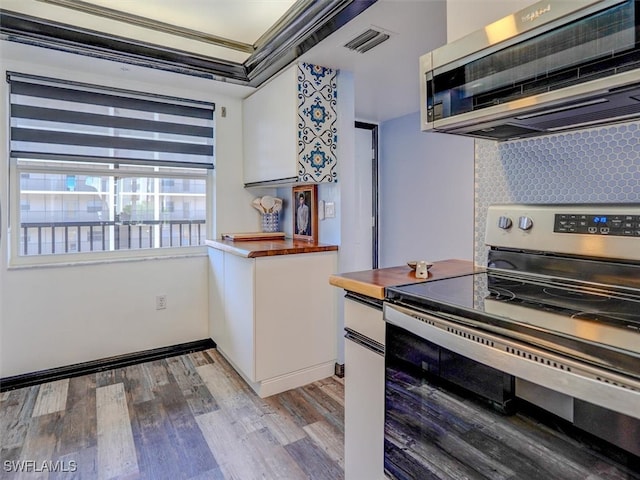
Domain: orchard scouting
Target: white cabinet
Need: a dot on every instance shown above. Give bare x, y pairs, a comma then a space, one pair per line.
269, 130
274, 317
364, 392
290, 129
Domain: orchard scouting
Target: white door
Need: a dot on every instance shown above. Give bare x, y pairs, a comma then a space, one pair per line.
364, 193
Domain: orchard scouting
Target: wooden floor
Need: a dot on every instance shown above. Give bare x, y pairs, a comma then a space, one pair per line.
185, 417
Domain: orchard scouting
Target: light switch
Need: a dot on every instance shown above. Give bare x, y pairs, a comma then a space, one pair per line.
329, 209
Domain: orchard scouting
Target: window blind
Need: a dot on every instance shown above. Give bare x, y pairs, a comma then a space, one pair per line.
59, 120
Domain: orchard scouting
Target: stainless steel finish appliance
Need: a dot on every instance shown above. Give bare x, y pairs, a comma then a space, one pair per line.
553, 66
553, 320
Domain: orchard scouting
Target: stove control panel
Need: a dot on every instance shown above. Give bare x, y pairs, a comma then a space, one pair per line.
601, 224
599, 230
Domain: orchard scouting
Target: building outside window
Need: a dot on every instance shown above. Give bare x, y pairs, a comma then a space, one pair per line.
101, 171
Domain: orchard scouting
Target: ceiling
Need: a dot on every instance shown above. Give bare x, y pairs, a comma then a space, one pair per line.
247, 41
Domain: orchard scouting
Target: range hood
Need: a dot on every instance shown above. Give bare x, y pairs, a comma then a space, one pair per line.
551, 67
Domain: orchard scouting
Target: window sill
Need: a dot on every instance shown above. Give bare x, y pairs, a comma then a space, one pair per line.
99, 258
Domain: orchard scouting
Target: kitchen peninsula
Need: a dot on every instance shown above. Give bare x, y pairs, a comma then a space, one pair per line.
271, 312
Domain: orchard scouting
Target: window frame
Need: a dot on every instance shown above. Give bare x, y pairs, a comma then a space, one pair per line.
98, 256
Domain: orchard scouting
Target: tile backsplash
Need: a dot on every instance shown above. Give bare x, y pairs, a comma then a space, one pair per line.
599, 165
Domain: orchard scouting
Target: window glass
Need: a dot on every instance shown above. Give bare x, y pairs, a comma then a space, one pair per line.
73, 207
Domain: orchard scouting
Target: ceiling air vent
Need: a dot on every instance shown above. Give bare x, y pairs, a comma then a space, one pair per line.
367, 40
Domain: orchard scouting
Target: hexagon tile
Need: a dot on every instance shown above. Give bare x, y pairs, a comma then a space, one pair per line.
599, 165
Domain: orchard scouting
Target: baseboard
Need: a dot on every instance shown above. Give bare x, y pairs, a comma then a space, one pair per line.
288, 381
280, 384
85, 368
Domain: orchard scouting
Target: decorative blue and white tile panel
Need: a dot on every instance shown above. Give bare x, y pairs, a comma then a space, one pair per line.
317, 130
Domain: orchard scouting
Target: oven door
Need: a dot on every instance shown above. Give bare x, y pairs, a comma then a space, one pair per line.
441, 380
424, 418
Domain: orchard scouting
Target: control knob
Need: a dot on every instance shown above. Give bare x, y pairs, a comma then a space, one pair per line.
504, 222
525, 223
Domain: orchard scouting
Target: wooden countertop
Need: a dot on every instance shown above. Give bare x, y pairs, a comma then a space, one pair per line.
373, 282
267, 248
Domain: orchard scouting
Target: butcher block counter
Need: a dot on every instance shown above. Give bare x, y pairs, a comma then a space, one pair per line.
267, 248
373, 282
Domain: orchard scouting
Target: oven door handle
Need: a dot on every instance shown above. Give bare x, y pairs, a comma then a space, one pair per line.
364, 341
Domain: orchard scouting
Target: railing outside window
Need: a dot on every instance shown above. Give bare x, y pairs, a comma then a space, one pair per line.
70, 237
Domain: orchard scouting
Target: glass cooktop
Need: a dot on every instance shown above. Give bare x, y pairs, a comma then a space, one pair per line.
597, 323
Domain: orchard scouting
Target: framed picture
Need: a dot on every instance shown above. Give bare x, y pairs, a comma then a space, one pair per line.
305, 213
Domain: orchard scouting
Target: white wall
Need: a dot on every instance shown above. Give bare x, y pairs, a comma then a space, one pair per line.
426, 194
56, 316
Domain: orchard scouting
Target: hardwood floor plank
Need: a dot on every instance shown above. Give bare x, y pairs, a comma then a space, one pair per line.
40, 441
328, 439
52, 397
201, 358
138, 385
80, 421
213, 474
78, 465
331, 410
275, 461
225, 441
232, 395
184, 433
313, 461
116, 449
151, 427
166, 424
279, 422
16, 412
197, 395
110, 377
156, 373
297, 406
333, 387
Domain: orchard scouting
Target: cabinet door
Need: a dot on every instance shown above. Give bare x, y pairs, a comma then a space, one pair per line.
295, 313
269, 130
364, 319
239, 312
364, 413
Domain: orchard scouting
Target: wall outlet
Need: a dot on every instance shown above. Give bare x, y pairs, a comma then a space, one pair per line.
161, 302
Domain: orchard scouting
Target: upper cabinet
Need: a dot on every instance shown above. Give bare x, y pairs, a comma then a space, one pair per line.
290, 128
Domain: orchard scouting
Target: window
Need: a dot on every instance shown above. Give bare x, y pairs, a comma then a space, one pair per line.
100, 172
105, 211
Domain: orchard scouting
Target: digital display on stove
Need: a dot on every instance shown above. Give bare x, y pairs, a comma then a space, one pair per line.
618, 225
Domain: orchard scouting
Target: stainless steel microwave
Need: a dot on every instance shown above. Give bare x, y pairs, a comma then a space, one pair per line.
554, 66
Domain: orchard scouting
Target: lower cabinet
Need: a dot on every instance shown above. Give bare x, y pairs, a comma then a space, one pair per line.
274, 317
364, 391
